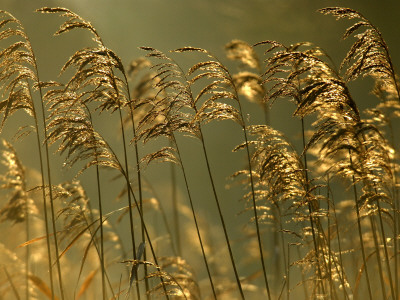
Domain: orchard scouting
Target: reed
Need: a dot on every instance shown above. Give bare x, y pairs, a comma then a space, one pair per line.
322, 210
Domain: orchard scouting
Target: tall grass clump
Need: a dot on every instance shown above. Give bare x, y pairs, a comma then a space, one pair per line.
321, 211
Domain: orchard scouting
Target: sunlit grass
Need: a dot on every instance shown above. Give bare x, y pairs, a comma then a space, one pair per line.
322, 222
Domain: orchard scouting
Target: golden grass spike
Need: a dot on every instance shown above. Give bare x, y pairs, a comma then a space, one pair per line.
71, 125
75, 21
27, 243
213, 110
349, 31
65, 11
42, 286
341, 12
13, 179
137, 65
152, 52
165, 154
190, 49
369, 55
209, 89
209, 74
12, 48
242, 51
72, 25
17, 64
273, 45
212, 66
5, 22
86, 283
250, 85
5, 34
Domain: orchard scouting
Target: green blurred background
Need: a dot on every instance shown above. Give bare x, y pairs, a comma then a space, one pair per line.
126, 25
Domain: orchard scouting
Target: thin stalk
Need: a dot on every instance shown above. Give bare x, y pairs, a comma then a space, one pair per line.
194, 217
302, 276
310, 210
139, 177
283, 287
387, 259
201, 138
393, 76
346, 296
101, 254
130, 190
221, 217
35, 117
276, 256
278, 237
53, 220
329, 251
14, 289
360, 232
163, 215
378, 256
282, 237
146, 231
115, 87
383, 236
103, 286
93, 240
46, 217
394, 290
126, 175
317, 247
253, 198
395, 209
396, 223
27, 231
129, 194
175, 211
396, 240
287, 273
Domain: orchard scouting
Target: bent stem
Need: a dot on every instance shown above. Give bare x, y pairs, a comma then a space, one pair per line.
175, 210
378, 256
221, 217
139, 177
253, 197
103, 287
53, 219
341, 272
310, 211
46, 217
129, 194
216, 198
360, 232
194, 217
27, 253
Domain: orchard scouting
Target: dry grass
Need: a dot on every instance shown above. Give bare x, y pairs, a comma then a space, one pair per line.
323, 223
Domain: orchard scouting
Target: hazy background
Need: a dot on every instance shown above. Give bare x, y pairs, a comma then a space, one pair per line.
168, 24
